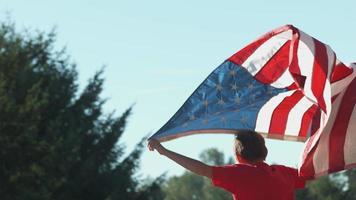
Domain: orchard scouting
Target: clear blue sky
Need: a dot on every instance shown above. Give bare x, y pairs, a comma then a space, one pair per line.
157, 52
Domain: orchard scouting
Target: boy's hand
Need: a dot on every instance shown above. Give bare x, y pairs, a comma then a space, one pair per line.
154, 144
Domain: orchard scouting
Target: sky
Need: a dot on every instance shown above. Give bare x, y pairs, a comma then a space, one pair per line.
157, 52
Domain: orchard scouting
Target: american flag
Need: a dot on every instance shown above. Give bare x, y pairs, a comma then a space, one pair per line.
285, 85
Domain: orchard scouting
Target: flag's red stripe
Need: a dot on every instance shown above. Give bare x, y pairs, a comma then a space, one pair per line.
339, 129
276, 66
307, 170
320, 71
293, 56
241, 56
280, 114
316, 122
306, 120
340, 71
293, 86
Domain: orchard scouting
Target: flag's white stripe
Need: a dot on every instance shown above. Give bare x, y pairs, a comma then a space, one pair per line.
305, 53
327, 86
284, 81
306, 57
350, 139
266, 51
264, 116
321, 156
295, 116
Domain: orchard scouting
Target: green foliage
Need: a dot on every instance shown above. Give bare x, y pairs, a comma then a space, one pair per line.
350, 184
212, 156
186, 187
327, 189
339, 186
193, 187
55, 141
324, 188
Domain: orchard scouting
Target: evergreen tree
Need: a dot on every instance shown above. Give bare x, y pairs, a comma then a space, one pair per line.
56, 142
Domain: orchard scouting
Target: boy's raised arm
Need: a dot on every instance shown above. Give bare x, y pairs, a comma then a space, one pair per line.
190, 164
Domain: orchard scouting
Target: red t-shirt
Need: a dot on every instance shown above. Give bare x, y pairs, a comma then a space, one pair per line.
258, 182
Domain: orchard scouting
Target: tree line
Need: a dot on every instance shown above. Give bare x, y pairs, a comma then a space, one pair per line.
56, 142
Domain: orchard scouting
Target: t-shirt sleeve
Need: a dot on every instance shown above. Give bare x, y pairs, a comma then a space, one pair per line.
225, 177
299, 182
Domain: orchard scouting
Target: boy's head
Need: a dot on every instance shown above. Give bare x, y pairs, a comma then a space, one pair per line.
250, 146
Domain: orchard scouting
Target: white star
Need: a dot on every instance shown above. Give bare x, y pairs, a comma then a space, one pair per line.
219, 87
237, 110
223, 119
185, 124
192, 117
234, 86
206, 103
205, 121
250, 86
232, 72
244, 120
221, 102
253, 97
217, 113
237, 100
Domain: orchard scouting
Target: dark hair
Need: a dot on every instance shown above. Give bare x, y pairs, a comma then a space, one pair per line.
250, 145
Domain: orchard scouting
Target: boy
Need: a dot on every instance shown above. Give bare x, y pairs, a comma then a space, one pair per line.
251, 178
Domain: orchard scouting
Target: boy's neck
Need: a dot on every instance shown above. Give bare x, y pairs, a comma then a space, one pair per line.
240, 160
